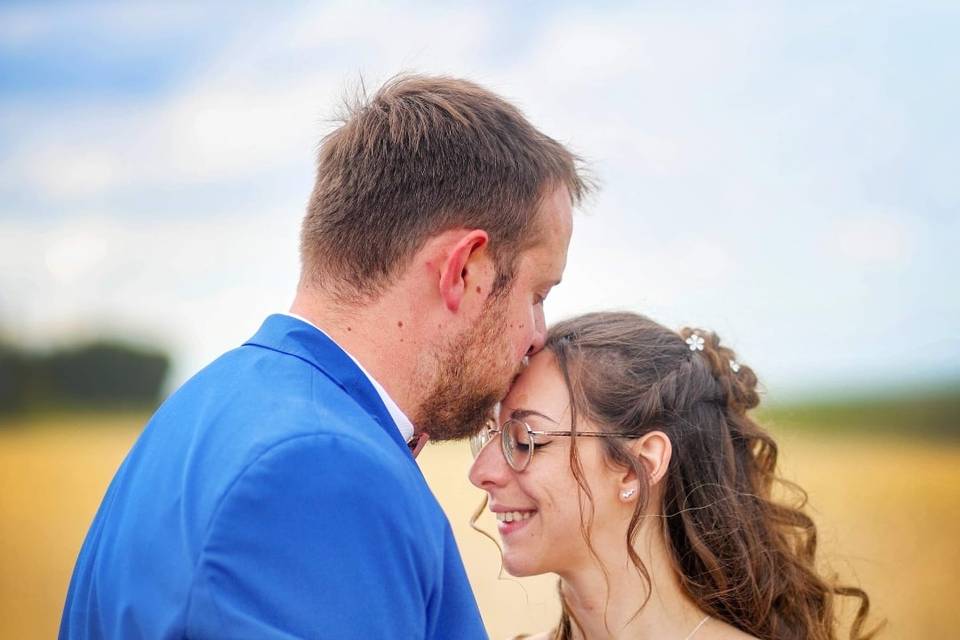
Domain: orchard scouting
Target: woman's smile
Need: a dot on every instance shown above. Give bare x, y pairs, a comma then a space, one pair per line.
509, 521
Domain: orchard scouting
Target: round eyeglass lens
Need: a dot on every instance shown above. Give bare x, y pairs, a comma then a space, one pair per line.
480, 439
517, 444
477, 441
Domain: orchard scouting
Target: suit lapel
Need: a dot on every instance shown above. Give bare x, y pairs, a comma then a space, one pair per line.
294, 337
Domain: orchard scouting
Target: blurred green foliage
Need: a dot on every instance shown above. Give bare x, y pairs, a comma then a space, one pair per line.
930, 412
96, 375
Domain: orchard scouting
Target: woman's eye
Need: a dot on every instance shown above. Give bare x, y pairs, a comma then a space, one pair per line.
525, 446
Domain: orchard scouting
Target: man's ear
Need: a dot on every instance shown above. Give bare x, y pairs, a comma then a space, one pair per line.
455, 271
654, 451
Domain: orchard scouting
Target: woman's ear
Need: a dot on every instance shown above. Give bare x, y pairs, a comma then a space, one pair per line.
654, 450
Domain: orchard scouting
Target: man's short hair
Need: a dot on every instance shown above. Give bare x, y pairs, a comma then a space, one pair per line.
423, 155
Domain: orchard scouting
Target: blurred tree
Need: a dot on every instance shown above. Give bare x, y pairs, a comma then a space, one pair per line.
105, 374
101, 375
14, 377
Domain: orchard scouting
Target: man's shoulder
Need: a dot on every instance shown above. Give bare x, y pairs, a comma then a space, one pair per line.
251, 412
331, 449
275, 391
317, 486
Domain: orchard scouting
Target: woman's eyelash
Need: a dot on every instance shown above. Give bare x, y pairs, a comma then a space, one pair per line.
523, 446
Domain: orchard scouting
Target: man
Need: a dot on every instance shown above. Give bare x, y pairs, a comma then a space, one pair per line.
274, 495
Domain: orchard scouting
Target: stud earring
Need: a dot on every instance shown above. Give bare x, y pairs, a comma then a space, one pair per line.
626, 495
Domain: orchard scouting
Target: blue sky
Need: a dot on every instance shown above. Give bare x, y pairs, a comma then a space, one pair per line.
782, 173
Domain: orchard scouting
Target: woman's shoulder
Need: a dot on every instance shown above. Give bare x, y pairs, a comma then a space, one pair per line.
724, 631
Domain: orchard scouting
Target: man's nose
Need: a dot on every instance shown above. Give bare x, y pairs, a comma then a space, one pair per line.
490, 469
539, 334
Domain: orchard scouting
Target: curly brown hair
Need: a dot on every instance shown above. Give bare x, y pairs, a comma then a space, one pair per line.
743, 556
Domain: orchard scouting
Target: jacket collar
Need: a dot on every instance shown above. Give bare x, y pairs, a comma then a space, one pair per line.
297, 338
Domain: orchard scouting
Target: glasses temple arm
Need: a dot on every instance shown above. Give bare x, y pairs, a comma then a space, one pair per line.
595, 434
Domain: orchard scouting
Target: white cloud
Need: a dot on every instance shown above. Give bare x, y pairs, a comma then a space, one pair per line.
196, 284
871, 240
66, 173
237, 115
723, 149
25, 24
72, 256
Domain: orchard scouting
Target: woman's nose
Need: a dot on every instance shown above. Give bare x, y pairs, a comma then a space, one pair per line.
490, 469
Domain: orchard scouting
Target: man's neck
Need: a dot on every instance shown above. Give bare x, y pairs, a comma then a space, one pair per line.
381, 336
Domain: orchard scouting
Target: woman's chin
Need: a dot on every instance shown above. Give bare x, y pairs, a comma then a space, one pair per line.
520, 565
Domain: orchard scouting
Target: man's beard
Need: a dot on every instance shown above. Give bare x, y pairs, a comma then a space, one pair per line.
473, 374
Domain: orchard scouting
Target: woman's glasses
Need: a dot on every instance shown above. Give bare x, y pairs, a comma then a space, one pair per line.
517, 440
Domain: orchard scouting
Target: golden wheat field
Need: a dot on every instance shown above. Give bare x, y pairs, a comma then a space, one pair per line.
888, 512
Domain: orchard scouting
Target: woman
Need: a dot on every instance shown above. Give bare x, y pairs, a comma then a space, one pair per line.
649, 493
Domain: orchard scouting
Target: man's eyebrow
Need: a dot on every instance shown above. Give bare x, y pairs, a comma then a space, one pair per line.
520, 414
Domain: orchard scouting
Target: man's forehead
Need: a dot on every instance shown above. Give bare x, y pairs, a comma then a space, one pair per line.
546, 261
556, 214
556, 227
543, 263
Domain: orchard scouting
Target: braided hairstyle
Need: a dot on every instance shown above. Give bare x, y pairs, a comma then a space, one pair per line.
742, 556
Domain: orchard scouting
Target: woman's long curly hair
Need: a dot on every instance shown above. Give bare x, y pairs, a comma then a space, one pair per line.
742, 556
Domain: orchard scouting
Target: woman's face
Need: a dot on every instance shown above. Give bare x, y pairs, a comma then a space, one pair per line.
538, 509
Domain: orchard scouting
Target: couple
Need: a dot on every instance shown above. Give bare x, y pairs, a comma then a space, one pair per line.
276, 494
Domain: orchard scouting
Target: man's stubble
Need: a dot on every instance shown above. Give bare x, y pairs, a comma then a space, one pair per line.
474, 372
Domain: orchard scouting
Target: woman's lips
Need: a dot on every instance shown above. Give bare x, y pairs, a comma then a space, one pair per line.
511, 521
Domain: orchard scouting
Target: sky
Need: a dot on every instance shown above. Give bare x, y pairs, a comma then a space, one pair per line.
782, 173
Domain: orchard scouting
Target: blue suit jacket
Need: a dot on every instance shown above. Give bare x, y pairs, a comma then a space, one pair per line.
272, 496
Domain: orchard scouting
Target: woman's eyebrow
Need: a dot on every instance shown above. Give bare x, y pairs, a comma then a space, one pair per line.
520, 414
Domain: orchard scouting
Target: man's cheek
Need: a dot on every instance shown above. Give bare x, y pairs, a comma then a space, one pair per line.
525, 339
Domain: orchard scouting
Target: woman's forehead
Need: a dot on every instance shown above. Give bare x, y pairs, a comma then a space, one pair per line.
539, 380
539, 393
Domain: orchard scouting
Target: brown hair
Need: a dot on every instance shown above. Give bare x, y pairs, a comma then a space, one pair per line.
742, 556
423, 155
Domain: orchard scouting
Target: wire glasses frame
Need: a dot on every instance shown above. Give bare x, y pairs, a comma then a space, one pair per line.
518, 452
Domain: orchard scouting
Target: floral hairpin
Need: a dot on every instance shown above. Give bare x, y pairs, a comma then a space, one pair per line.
695, 342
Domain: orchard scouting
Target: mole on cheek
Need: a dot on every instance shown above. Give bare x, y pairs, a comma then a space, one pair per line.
479, 290
400, 323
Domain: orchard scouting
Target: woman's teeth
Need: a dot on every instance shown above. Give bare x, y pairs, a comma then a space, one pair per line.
513, 516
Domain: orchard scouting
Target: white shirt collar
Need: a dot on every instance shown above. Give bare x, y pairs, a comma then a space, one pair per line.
399, 417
